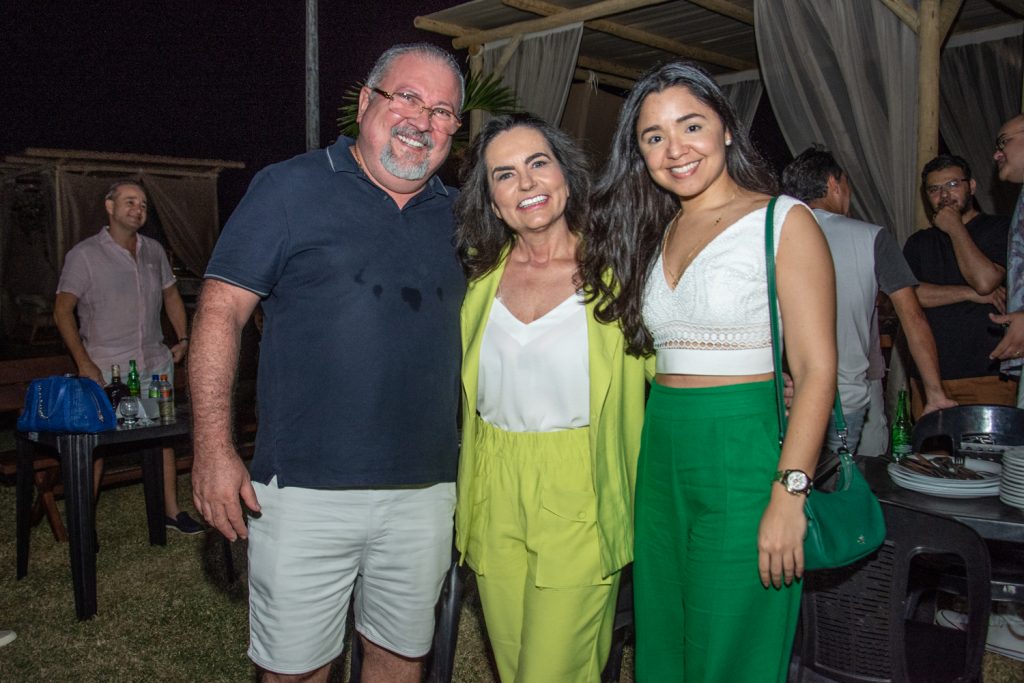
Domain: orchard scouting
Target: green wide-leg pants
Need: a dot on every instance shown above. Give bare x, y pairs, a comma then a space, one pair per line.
549, 612
705, 475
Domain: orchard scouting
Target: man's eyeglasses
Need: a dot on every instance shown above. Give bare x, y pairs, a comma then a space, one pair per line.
1003, 139
949, 185
409, 105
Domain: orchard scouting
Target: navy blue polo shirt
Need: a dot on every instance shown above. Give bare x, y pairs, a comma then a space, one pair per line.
359, 361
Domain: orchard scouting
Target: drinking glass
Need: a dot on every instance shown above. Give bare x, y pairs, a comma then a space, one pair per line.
128, 408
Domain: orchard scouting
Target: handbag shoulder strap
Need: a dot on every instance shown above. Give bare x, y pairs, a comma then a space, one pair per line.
773, 318
773, 314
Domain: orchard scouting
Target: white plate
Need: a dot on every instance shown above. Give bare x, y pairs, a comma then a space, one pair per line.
951, 488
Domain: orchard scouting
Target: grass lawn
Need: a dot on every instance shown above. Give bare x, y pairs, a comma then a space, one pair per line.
168, 614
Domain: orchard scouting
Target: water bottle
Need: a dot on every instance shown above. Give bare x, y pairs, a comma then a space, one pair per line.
902, 442
166, 400
154, 386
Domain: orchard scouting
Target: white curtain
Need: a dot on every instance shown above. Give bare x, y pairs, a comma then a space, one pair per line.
980, 90
540, 72
744, 90
844, 73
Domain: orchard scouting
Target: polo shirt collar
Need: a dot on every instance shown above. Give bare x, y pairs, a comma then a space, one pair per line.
109, 242
341, 161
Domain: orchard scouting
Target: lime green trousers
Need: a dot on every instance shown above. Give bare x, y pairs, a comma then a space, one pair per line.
704, 479
548, 610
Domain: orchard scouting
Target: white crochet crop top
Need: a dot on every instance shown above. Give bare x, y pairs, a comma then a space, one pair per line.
715, 322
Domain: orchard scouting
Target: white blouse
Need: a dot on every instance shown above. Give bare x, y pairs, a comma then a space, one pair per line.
535, 377
715, 322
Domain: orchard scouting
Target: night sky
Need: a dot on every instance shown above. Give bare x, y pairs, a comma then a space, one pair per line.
219, 80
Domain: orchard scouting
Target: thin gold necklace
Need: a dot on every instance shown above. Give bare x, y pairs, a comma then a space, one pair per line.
689, 257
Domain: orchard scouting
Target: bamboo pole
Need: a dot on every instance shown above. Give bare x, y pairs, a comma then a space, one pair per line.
594, 11
950, 8
929, 45
476, 117
637, 36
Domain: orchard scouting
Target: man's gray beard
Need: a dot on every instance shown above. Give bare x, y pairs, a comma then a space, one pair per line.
403, 170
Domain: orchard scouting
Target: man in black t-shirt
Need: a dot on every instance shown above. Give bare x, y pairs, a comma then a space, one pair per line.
960, 263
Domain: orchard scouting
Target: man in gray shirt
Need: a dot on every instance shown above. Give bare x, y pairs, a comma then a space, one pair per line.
867, 259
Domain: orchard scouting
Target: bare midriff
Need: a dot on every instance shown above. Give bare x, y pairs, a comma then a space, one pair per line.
704, 381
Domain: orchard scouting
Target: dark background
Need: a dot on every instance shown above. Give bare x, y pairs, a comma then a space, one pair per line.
218, 80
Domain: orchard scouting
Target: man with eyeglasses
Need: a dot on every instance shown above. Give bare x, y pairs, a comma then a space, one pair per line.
960, 263
349, 251
1009, 158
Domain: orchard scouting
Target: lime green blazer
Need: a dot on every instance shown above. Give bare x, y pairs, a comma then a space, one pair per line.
617, 391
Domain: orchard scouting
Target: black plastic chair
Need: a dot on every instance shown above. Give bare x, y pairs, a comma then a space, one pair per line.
622, 631
857, 621
980, 425
441, 662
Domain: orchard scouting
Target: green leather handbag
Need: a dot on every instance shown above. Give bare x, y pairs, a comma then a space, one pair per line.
847, 524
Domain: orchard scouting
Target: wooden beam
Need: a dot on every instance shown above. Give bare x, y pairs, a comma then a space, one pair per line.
1012, 6
124, 169
637, 36
507, 54
443, 27
608, 67
727, 9
133, 159
607, 79
594, 11
929, 47
950, 8
904, 11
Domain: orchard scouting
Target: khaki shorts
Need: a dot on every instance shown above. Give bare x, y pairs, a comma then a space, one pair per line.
310, 548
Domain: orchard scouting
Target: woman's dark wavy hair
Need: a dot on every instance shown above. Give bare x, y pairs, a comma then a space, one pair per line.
480, 235
630, 211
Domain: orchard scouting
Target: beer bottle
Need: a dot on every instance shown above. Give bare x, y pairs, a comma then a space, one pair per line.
134, 386
902, 442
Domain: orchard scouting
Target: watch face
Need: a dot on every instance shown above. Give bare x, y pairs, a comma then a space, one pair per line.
796, 481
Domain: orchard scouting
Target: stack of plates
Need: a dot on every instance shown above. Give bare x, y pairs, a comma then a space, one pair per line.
988, 485
1011, 488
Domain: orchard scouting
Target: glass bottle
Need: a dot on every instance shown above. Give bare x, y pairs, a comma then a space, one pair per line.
116, 389
901, 440
134, 386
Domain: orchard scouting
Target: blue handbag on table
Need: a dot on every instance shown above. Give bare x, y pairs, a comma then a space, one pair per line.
66, 403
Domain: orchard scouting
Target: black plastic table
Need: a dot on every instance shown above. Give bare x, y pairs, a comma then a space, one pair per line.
990, 517
76, 452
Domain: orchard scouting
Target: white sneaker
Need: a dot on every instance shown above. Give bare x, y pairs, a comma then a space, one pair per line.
1005, 631
7, 637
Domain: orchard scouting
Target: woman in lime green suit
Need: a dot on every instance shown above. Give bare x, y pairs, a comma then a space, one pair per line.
552, 411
